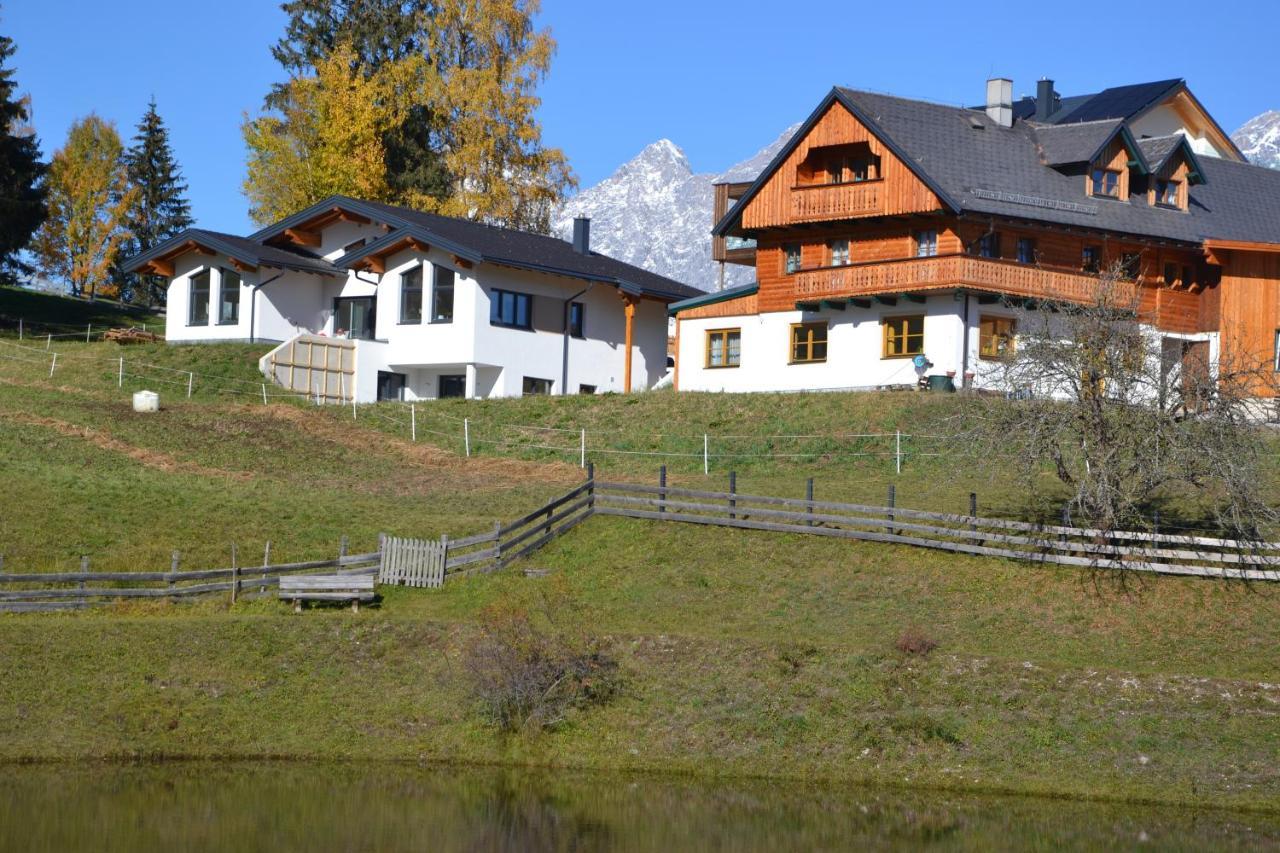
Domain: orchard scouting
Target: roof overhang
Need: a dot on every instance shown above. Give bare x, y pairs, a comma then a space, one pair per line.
713, 298
835, 96
373, 256
1181, 90
302, 227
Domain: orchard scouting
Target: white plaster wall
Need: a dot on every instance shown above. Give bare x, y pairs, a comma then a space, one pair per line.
179, 329
1163, 121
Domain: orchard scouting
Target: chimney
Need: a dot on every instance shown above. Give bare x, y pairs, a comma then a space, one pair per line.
1047, 100
1000, 101
582, 235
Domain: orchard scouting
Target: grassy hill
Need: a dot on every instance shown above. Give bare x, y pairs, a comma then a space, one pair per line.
49, 313
741, 652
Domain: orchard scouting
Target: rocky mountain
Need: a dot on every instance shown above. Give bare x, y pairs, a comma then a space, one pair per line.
1259, 139
655, 212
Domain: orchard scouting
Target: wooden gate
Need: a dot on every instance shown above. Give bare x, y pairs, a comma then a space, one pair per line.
413, 562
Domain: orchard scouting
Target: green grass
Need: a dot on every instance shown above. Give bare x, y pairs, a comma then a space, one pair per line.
742, 653
47, 312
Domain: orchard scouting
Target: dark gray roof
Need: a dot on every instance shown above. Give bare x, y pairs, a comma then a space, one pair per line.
242, 249
1076, 143
1118, 102
977, 167
1158, 150
712, 298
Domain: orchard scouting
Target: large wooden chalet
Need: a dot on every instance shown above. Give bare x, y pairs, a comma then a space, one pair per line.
889, 228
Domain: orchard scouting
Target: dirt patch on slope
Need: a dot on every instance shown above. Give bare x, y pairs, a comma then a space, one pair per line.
156, 459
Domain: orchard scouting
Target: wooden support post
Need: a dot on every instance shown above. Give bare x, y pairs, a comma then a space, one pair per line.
662, 486
266, 561
84, 570
629, 311
497, 544
733, 489
1066, 521
591, 486
893, 496
973, 514
175, 560
235, 573
808, 496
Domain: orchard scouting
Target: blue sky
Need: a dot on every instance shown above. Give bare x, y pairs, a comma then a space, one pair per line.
720, 79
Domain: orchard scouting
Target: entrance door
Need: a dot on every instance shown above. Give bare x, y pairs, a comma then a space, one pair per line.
390, 385
453, 386
355, 316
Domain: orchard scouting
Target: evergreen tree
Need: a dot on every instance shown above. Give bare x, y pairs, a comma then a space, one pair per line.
22, 196
89, 199
161, 209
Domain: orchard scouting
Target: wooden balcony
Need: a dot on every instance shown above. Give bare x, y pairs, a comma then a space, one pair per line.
948, 271
836, 201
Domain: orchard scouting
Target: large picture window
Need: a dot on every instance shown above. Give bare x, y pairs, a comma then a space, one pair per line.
229, 298
903, 336
808, 343
724, 348
441, 294
513, 310
198, 309
411, 295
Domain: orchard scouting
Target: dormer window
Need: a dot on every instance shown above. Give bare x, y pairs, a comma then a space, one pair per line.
1106, 183
1168, 193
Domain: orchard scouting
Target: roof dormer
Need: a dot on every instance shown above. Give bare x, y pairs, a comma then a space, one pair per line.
1105, 151
1174, 170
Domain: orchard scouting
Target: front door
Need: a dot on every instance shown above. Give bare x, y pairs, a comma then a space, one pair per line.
354, 316
390, 385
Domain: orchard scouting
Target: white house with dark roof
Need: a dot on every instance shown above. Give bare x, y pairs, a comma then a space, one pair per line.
371, 301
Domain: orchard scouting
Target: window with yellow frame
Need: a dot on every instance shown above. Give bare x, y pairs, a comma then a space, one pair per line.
903, 336
808, 343
995, 337
724, 347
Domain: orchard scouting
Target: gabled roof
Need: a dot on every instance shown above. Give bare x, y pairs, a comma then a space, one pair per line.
1125, 102
1159, 150
240, 249
840, 96
1068, 144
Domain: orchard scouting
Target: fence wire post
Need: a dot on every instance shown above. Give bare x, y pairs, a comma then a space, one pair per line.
87, 332
898, 450
120, 377
48, 342
264, 393
582, 449
413, 422
53, 364
466, 436
191, 379
706, 454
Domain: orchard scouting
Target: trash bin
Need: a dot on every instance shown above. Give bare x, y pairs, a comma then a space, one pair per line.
941, 382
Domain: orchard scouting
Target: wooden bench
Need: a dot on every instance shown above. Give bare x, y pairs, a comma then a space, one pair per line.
353, 588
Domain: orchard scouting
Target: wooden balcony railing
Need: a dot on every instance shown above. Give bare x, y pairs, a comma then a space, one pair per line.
998, 276
836, 201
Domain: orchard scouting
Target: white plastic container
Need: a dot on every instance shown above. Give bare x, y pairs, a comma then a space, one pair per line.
146, 401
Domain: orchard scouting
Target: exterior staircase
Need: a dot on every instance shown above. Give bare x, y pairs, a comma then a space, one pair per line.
319, 367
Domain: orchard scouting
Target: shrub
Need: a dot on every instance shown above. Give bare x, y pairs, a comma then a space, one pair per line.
528, 671
915, 642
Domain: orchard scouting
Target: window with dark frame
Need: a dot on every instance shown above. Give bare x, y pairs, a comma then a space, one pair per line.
442, 280
411, 295
452, 386
1131, 265
198, 310
511, 310
1026, 250
1170, 274
903, 336
1091, 259
229, 298
724, 348
791, 257
576, 315
988, 245
1106, 183
808, 343
1167, 193
926, 243
586, 389
534, 387
839, 250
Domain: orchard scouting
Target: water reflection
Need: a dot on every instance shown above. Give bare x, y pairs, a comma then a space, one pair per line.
316, 807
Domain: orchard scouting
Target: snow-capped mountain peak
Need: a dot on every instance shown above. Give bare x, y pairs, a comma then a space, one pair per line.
1259, 139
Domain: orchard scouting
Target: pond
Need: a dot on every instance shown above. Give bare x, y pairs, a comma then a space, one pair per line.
350, 807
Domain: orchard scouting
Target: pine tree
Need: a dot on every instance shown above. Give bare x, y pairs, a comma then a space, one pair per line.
89, 199
161, 209
22, 196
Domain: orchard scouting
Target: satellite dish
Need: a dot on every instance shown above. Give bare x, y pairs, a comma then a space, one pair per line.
920, 361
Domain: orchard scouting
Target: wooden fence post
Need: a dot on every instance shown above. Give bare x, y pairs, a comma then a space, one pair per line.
497, 544
808, 496
266, 561
235, 574
662, 488
733, 489
342, 546
973, 514
175, 560
893, 497
591, 487
84, 570
1066, 522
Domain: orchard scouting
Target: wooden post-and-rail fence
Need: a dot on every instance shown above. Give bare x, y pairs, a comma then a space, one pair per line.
428, 563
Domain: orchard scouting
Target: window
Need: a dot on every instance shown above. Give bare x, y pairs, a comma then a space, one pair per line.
390, 385
808, 343
995, 337
1171, 274
535, 386
441, 294
926, 244
576, 310
1130, 265
903, 336
453, 385
724, 348
513, 310
353, 245
355, 317
228, 298
1091, 259
586, 389
1026, 250
839, 252
1277, 351
411, 295
1167, 193
1106, 182
791, 261
988, 245
198, 312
